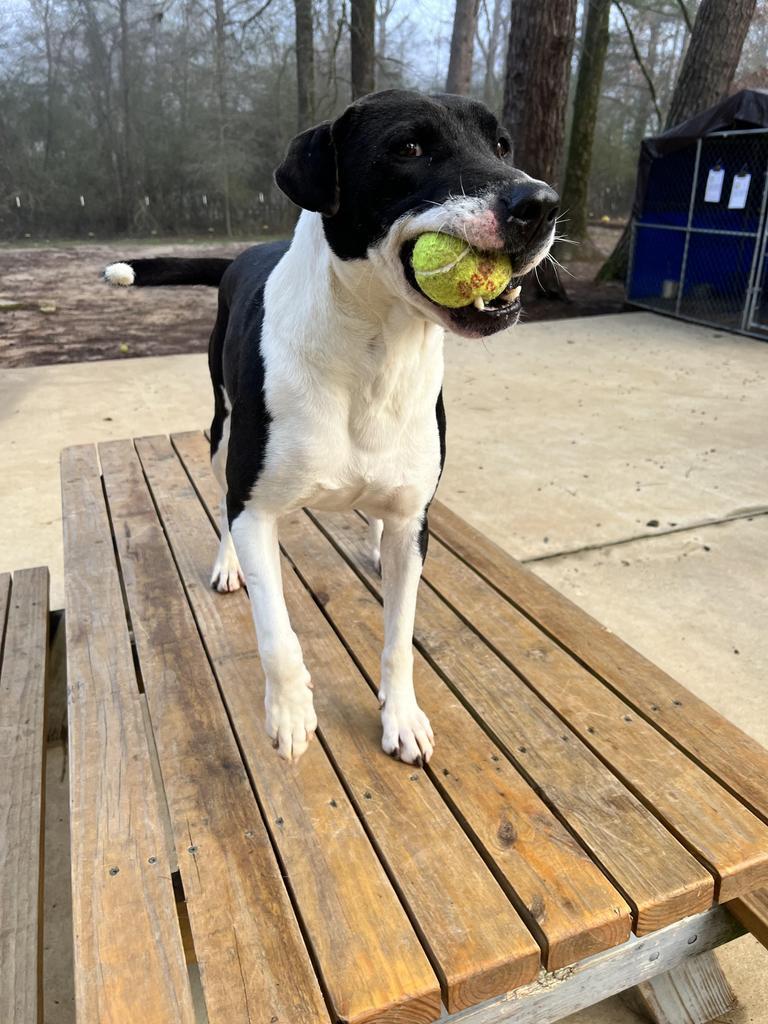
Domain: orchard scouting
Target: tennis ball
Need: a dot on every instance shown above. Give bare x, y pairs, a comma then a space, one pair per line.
452, 274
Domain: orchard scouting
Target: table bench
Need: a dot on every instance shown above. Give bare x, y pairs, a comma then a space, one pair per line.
23, 661
577, 832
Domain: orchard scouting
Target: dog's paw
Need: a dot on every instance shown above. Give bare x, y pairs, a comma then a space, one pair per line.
291, 719
227, 574
407, 733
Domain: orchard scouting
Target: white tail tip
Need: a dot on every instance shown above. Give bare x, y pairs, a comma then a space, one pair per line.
120, 274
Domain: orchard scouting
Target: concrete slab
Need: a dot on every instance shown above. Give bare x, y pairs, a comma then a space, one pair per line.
43, 409
585, 431
692, 602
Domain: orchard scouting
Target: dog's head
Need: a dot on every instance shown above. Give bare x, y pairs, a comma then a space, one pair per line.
397, 164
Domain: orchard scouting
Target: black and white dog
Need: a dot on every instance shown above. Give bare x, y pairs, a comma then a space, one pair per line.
327, 364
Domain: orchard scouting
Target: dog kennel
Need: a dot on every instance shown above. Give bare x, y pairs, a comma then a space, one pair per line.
700, 219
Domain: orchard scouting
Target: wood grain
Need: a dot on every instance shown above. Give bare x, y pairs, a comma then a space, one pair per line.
565, 898
22, 769
722, 749
474, 936
661, 881
694, 993
129, 962
555, 996
369, 956
5, 595
707, 819
752, 911
252, 959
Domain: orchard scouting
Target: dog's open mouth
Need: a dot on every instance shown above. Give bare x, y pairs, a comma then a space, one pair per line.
480, 317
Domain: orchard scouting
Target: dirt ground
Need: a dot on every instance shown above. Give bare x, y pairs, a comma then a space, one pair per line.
55, 309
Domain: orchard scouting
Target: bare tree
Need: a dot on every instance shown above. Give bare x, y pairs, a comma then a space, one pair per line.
535, 94
708, 69
220, 60
712, 57
462, 44
45, 12
488, 43
579, 160
191, 102
536, 82
130, 189
305, 63
362, 46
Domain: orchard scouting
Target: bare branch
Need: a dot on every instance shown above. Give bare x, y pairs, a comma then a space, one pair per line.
685, 14
639, 60
255, 16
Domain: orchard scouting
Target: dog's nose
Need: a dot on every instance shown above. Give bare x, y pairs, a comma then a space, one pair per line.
531, 208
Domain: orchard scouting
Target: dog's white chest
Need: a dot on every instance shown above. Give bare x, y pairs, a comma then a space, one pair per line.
358, 430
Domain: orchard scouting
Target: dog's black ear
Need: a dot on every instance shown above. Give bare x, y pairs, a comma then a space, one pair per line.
308, 173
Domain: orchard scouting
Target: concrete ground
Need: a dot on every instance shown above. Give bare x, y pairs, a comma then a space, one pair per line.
624, 458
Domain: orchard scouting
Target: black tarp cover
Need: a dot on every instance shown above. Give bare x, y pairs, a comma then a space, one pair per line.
745, 109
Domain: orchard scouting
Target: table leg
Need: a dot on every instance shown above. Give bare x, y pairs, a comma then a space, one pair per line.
695, 992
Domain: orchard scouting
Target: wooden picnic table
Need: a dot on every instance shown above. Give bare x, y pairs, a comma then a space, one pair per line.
581, 821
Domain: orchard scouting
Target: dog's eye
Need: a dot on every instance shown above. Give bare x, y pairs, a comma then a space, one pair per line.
409, 149
502, 148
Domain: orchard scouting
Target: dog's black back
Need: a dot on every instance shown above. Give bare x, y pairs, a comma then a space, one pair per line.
236, 364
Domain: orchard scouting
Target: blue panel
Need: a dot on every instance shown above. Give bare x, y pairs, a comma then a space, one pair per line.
716, 278
656, 266
668, 189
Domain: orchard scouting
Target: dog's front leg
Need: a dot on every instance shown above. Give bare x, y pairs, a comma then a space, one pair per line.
291, 719
406, 730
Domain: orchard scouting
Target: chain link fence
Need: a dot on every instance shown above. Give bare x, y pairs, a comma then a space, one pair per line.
698, 247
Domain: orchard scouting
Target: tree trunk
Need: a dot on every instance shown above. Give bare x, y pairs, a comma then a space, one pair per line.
50, 83
536, 83
489, 77
535, 95
128, 176
576, 177
221, 99
462, 45
362, 47
709, 65
305, 63
712, 57
100, 86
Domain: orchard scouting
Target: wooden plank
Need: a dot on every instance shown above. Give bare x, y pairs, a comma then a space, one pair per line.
564, 896
474, 936
366, 949
5, 596
722, 749
707, 819
694, 993
556, 995
752, 911
129, 962
22, 802
252, 959
661, 881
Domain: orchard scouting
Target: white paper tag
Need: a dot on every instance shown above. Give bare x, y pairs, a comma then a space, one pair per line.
714, 185
739, 191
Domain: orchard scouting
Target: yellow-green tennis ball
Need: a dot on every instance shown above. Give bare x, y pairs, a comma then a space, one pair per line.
453, 274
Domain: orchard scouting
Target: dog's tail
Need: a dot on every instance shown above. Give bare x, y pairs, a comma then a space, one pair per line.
154, 273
